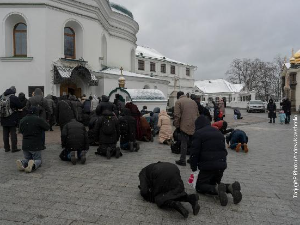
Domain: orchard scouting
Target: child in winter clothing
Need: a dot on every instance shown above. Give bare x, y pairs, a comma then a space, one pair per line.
32, 127
282, 116
74, 139
127, 126
237, 139
107, 133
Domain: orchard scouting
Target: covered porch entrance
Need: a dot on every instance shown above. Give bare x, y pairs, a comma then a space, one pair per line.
70, 88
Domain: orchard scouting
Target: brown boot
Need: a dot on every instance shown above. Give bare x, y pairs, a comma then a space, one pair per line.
238, 147
246, 148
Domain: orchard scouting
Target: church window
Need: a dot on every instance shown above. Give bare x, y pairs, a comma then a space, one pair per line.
172, 69
141, 65
152, 66
70, 49
188, 71
20, 40
163, 68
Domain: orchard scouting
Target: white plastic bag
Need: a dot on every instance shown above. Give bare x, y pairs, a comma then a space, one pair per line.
193, 179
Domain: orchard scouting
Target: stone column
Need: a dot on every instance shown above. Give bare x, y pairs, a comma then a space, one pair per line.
253, 95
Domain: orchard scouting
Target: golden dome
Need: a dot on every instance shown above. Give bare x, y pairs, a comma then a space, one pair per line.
122, 82
121, 79
292, 60
297, 55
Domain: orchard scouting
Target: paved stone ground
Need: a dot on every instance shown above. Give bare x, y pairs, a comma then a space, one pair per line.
105, 191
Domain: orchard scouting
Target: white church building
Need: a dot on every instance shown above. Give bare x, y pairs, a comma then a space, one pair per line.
76, 47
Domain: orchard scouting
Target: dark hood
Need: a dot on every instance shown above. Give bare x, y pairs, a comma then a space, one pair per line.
201, 122
9, 92
49, 96
107, 113
21, 97
105, 98
72, 98
37, 92
126, 112
156, 110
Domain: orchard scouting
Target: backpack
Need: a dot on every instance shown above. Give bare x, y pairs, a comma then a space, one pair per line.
108, 125
123, 127
5, 110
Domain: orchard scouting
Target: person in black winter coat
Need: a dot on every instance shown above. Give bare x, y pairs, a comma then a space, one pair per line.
10, 122
208, 153
127, 126
76, 107
92, 129
161, 183
237, 139
271, 107
105, 104
75, 141
107, 134
33, 129
286, 107
64, 112
87, 110
41, 103
202, 110
22, 112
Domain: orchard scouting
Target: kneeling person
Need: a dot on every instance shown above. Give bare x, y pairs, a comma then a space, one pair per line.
75, 141
32, 127
237, 139
161, 183
208, 153
127, 126
107, 133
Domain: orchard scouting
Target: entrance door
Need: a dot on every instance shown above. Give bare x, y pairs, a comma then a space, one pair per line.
70, 89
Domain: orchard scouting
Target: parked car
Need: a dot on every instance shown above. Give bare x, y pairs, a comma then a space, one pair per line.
256, 106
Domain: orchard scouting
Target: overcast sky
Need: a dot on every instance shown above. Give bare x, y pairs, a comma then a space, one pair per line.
211, 33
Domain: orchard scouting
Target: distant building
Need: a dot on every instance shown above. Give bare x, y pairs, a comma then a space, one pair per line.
215, 90
290, 77
152, 63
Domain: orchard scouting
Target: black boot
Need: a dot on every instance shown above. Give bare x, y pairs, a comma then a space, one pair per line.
221, 189
193, 200
270, 121
235, 190
179, 208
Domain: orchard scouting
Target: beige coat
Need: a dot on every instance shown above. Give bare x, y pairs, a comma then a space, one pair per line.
164, 123
185, 114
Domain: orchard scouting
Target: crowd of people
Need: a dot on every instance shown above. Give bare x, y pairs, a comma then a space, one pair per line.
197, 134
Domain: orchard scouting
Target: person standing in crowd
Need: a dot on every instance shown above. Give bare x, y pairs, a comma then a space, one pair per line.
107, 134
22, 112
127, 126
94, 103
83, 98
286, 107
185, 115
271, 107
105, 104
165, 131
76, 107
202, 110
87, 105
52, 110
222, 108
64, 112
154, 120
161, 183
144, 110
40, 103
9, 105
33, 128
237, 139
75, 141
208, 154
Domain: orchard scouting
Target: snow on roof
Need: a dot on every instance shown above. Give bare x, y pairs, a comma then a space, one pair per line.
218, 86
287, 65
126, 73
88, 2
146, 94
152, 53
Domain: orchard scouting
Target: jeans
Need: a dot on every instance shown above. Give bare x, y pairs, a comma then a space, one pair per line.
239, 137
13, 137
184, 138
35, 156
78, 154
288, 118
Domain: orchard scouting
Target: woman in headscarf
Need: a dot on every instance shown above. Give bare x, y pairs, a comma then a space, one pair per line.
165, 132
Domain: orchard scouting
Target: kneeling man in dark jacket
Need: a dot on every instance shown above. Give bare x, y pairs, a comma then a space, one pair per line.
237, 140
75, 141
208, 153
32, 127
161, 183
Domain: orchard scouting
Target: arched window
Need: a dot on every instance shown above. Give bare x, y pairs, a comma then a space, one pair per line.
20, 40
70, 49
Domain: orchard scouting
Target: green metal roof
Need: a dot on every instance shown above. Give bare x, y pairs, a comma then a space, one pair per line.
121, 9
